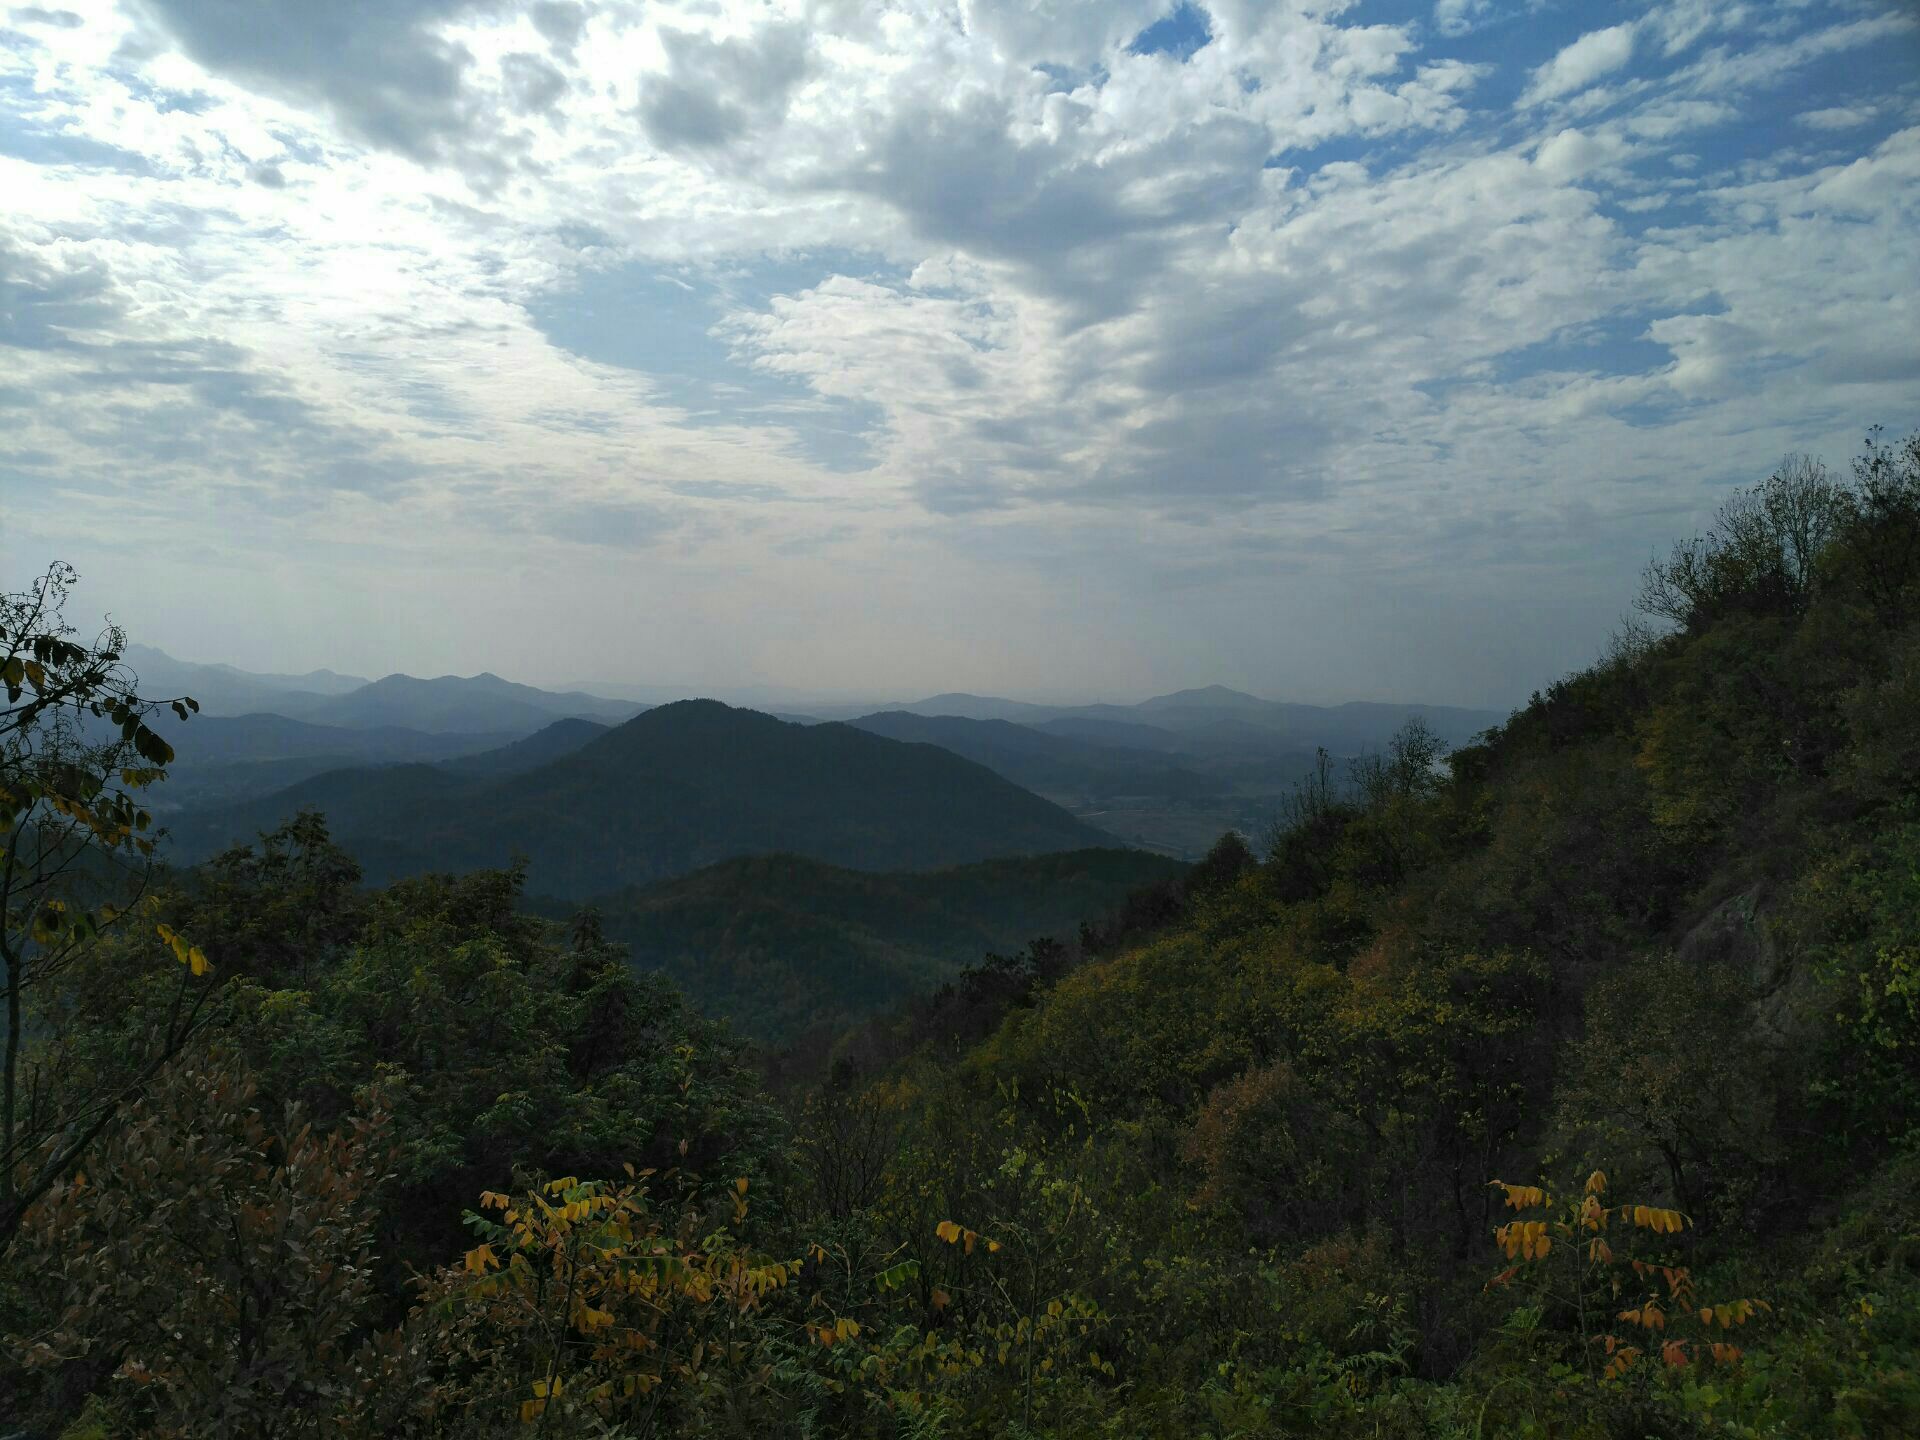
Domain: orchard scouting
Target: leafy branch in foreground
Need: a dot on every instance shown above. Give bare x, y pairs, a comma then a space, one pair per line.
588, 1300
76, 752
1590, 1277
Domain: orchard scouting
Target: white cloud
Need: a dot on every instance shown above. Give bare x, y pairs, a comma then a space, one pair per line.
1283, 326
1571, 154
1838, 117
1460, 17
1597, 53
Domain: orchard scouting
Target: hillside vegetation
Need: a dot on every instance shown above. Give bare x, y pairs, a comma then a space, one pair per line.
781, 945
1569, 1090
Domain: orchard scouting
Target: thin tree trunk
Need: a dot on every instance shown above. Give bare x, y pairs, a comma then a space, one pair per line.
8, 1114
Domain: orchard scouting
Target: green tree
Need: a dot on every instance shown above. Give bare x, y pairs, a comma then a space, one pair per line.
76, 751
1761, 554
210, 1271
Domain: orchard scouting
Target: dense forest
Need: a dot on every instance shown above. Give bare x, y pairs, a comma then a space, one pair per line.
787, 949
1566, 1084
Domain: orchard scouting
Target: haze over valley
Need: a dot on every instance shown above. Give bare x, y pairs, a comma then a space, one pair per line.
1169, 774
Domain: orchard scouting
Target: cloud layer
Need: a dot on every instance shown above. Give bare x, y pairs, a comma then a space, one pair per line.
1094, 347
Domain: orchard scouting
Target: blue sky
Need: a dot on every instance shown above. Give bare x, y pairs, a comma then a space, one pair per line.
1329, 350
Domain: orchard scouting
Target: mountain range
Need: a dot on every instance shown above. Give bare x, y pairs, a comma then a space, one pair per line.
447, 704
488, 704
1169, 773
676, 788
460, 703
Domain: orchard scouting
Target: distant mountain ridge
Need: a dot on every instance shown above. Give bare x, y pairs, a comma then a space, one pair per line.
1207, 697
1046, 763
159, 671
483, 704
488, 704
1343, 729
460, 703
676, 788
226, 690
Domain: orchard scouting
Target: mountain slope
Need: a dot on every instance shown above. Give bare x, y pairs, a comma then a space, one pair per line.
371, 806
562, 737
779, 944
229, 759
677, 788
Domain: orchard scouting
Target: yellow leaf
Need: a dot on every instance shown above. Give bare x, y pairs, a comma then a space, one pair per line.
948, 1231
197, 961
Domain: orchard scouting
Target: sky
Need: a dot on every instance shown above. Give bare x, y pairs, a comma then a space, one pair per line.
1068, 349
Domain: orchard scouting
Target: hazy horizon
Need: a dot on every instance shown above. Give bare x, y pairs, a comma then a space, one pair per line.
1338, 351
662, 692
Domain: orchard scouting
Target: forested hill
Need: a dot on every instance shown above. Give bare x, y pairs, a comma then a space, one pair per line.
677, 788
780, 945
1654, 941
